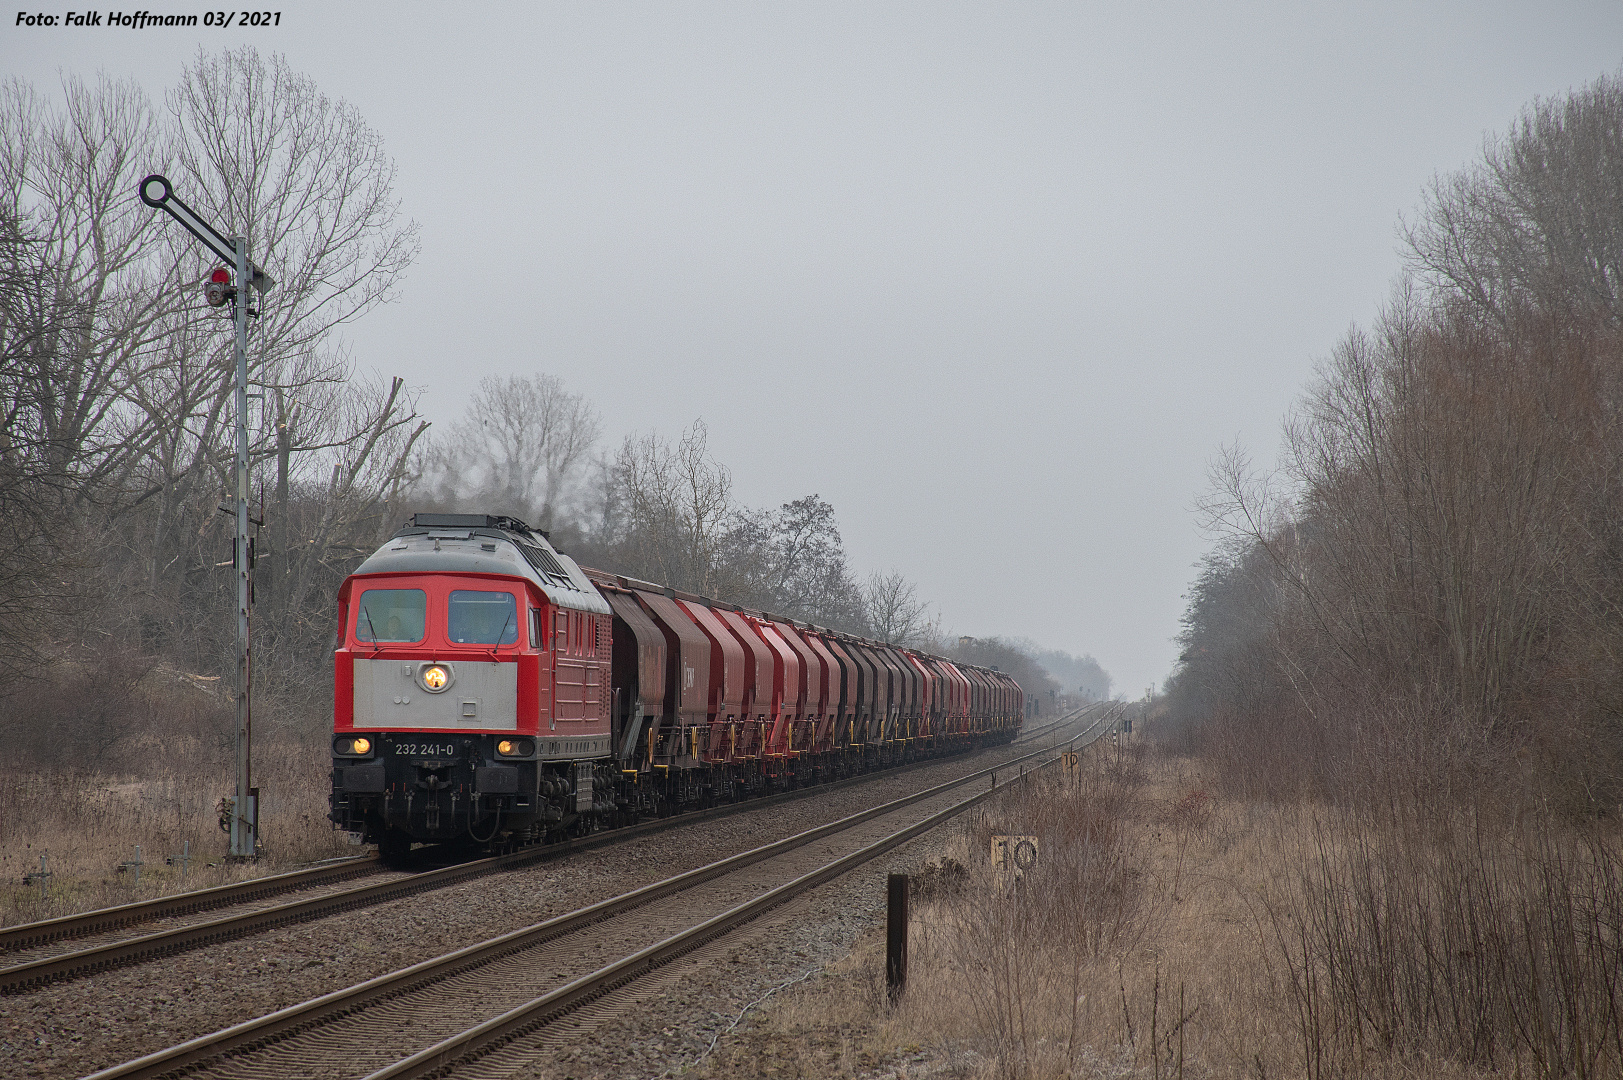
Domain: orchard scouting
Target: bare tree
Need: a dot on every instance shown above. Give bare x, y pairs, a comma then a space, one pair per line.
791, 561
309, 182
122, 386
521, 448
67, 179
810, 577
676, 505
1540, 218
1438, 579
892, 610
35, 574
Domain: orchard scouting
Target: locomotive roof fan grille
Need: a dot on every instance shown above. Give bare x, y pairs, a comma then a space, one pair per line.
549, 567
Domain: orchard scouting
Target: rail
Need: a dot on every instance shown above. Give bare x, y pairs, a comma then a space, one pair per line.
297, 1018
143, 947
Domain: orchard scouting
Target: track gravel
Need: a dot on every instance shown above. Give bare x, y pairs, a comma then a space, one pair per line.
663, 1025
63, 946
73, 1028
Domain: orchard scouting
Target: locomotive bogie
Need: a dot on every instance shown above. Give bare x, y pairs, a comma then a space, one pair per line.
439, 786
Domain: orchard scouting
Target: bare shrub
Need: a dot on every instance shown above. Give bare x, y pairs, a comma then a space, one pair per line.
1017, 951
1426, 595
1410, 938
115, 750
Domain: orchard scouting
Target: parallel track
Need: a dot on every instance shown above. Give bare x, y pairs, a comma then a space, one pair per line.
28, 935
355, 1006
148, 946
533, 1017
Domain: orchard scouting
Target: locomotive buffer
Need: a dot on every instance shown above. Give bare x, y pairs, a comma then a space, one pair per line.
156, 192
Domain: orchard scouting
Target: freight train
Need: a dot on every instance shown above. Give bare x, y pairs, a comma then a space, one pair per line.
490, 692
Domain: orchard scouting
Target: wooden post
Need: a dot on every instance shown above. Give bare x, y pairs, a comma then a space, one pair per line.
896, 937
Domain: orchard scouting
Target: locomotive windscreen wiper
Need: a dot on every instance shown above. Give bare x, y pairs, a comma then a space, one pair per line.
501, 637
377, 646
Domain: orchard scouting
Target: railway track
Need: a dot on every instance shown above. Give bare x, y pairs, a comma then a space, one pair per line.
28, 935
511, 982
134, 949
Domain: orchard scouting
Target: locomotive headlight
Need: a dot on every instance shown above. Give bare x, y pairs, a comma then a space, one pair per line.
361, 746
435, 678
352, 747
515, 747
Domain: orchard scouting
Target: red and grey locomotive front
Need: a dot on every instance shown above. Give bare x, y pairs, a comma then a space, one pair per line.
471, 690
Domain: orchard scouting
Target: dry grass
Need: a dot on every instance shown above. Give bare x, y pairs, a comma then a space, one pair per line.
114, 750
87, 823
1171, 933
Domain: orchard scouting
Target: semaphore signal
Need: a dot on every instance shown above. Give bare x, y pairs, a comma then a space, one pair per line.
156, 191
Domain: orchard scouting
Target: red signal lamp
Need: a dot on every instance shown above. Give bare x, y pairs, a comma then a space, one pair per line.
217, 289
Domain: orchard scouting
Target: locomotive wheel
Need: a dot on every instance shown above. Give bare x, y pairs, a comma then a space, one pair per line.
394, 848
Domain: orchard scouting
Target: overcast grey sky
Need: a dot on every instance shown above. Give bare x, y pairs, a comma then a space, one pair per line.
993, 279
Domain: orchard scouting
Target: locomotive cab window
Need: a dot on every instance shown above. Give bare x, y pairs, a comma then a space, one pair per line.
482, 618
391, 615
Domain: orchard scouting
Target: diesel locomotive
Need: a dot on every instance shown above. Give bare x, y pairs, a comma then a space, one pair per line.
491, 692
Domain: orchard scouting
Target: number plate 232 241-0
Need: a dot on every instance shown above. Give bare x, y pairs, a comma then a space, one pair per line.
424, 749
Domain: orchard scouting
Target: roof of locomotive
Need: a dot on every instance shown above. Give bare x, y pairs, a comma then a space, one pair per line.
484, 544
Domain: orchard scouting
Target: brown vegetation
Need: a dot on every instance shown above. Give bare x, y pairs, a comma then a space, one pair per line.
1429, 597
1168, 932
112, 753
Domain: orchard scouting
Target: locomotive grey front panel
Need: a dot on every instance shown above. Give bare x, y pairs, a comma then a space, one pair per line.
438, 694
